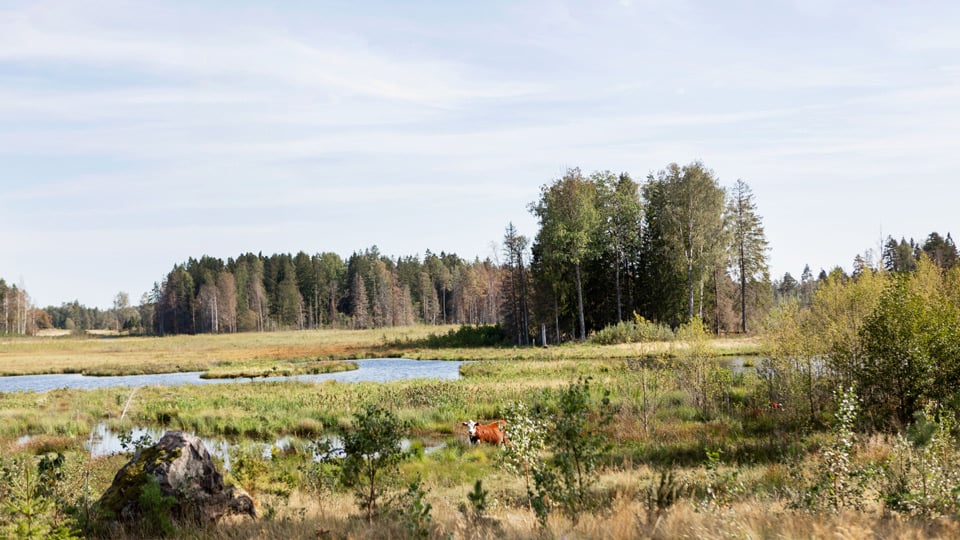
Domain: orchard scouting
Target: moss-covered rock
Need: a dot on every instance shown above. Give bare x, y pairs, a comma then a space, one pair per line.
181, 466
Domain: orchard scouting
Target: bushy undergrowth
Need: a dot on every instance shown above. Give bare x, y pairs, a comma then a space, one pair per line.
636, 331
467, 337
660, 449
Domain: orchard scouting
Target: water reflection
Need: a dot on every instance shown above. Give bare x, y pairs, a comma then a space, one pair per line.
103, 441
368, 370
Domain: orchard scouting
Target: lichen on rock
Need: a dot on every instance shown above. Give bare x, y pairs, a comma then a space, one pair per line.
184, 470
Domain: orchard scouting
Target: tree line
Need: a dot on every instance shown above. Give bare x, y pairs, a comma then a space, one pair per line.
608, 249
253, 292
675, 247
17, 314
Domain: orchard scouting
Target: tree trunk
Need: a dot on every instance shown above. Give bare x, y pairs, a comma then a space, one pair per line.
743, 292
617, 285
556, 315
583, 326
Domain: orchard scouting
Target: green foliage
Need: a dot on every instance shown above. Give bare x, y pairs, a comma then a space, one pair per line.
569, 220
372, 456
468, 336
838, 483
749, 244
320, 477
575, 435
838, 478
130, 445
722, 486
413, 510
30, 501
155, 509
922, 476
705, 379
478, 501
911, 347
526, 433
638, 330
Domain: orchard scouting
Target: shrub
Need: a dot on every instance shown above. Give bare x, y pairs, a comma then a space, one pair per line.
575, 434
28, 501
372, 456
413, 510
468, 336
526, 434
921, 477
635, 331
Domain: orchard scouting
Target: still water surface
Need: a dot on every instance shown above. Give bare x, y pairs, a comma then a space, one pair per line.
369, 370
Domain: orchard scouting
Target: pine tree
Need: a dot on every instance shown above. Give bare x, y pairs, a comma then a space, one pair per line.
749, 243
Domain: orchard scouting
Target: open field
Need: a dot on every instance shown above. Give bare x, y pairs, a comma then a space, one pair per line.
736, 467
137, 355
112, 355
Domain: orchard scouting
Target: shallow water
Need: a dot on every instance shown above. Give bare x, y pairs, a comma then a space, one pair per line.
103, 441
369, 370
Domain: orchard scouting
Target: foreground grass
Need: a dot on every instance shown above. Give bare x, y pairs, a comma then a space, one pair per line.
293, 505
754, 491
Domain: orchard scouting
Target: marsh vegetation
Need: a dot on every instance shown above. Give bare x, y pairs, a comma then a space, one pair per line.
648, 439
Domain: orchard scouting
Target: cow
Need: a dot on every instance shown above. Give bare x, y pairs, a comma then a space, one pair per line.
492, 433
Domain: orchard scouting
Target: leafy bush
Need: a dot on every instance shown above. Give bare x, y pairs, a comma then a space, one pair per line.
468, 336
635, 331
526, 434
372, 456
575, 435
155, 508
922, 478
838, 483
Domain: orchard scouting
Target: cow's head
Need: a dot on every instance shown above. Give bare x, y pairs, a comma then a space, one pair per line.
471, 427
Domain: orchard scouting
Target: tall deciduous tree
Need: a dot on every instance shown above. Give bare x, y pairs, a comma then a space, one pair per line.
621, 215
226, 302
692, 223
750, 244
568, 216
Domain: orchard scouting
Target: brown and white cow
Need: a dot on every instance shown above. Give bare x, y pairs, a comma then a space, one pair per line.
492, 433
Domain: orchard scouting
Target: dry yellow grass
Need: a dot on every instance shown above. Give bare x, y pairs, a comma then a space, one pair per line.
116, 355
31, 355
336, 516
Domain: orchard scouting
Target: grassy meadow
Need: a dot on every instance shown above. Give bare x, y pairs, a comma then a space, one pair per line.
692, 450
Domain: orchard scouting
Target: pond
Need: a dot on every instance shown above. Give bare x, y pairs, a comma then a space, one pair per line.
103, 441
368, 370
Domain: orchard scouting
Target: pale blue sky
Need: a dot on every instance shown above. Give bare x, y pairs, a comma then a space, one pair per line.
134, 135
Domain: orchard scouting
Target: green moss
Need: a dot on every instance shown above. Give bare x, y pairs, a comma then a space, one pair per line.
128, 484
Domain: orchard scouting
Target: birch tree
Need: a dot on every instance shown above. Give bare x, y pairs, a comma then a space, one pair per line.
693, 223
567, 211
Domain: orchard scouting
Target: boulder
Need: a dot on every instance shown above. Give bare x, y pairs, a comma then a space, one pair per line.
183, 470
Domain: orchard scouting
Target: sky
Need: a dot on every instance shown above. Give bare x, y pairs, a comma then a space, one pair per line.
134, 135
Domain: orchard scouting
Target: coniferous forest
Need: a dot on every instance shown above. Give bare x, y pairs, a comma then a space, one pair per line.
677, 245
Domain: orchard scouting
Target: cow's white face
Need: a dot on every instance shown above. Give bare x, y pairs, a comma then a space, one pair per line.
471, 427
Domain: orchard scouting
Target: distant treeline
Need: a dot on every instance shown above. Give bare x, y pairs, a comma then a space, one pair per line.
675, 247
283, 291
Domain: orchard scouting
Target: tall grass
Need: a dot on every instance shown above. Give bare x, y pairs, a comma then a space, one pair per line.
736, 464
